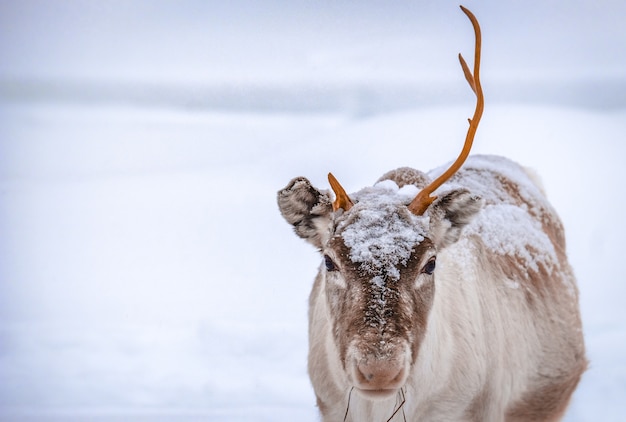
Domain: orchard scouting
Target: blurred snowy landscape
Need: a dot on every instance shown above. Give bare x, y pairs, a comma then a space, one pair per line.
145, 271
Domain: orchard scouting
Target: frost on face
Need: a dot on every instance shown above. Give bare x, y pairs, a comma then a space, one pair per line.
381, 234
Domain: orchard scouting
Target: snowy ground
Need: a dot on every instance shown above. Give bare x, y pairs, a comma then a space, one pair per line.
145, 271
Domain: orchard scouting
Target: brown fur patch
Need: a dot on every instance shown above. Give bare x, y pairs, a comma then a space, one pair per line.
549, 400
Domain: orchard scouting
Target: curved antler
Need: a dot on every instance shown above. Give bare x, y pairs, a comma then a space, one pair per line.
422, 201
342, 200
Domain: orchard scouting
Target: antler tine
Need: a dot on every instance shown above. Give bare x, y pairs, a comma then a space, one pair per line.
342, 200
422, 201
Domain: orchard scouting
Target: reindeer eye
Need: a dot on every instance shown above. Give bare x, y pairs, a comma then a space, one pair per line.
429, 268
330, 265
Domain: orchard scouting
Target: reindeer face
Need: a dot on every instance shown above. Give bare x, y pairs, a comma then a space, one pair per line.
378, 271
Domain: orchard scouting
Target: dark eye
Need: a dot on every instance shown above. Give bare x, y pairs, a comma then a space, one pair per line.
429, 268
330, 265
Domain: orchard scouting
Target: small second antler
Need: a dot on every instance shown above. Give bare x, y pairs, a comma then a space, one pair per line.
342, 200
422, 201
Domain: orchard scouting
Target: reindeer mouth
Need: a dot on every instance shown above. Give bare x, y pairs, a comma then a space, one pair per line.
377, 394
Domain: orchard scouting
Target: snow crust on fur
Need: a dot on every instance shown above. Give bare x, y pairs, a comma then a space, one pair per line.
382, 235
505, 226
509, 230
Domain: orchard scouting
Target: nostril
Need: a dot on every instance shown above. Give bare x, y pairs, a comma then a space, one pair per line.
365, 373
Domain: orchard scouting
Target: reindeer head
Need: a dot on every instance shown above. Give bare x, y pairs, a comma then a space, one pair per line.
379, 248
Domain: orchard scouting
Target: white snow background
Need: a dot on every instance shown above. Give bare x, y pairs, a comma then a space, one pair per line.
145, 271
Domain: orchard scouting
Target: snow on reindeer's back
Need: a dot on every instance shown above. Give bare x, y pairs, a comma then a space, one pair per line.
512, 221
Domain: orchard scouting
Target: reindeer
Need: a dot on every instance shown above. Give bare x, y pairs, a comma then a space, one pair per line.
459, 306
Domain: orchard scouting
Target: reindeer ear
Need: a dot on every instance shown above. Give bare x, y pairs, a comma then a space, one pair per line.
450, 213
307, 209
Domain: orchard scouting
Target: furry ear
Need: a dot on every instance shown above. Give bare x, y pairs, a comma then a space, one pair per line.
307, 209
450, 213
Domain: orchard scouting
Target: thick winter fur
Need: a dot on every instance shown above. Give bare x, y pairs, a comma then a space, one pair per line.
489, 335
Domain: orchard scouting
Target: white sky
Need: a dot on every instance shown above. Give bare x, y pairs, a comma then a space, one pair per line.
239, 41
